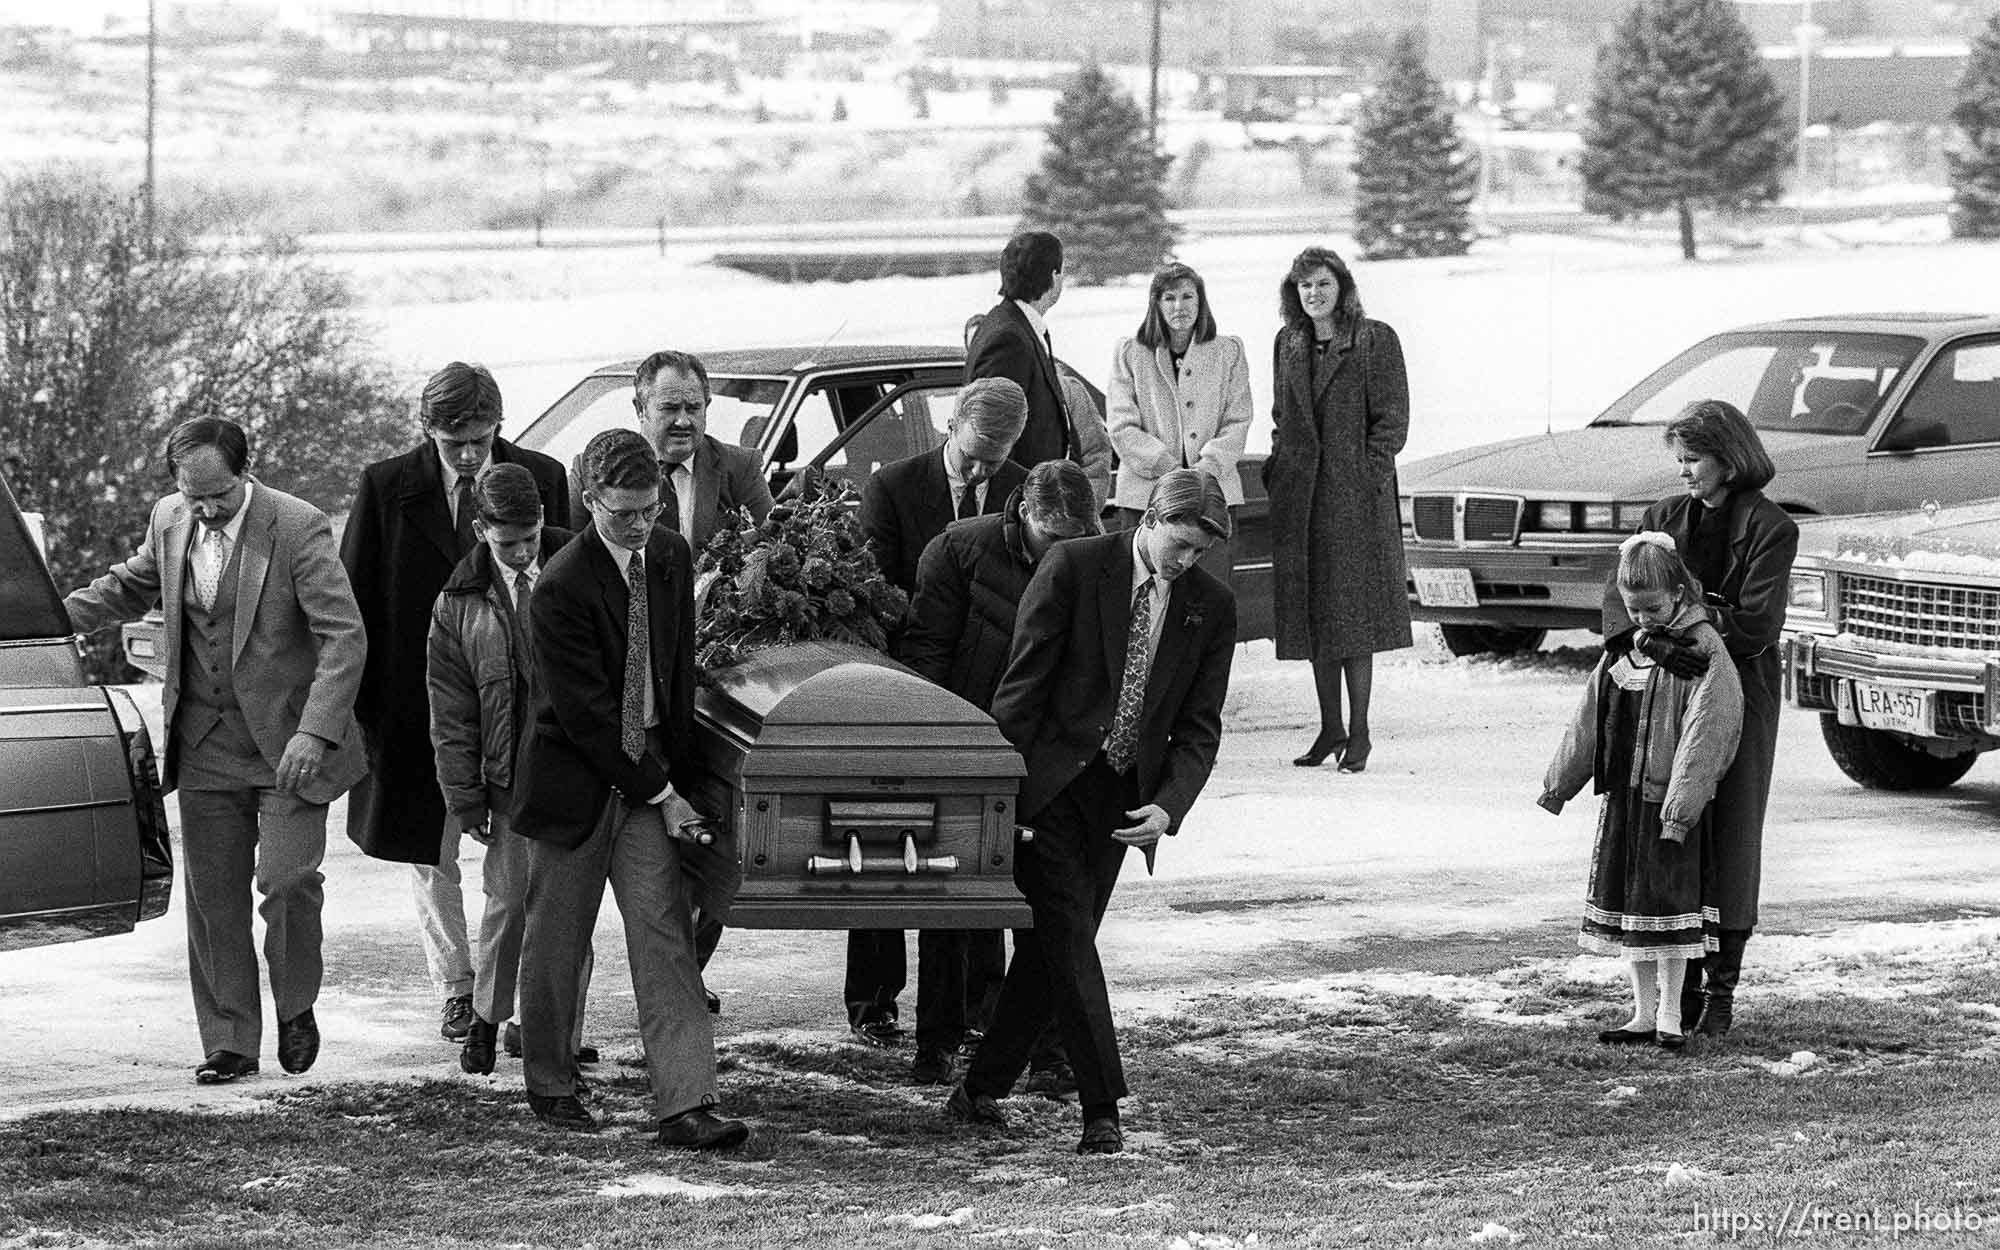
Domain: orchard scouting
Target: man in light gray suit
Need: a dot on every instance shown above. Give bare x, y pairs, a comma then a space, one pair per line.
265, 648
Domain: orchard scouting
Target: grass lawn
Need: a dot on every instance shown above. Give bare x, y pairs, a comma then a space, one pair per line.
1360, 1117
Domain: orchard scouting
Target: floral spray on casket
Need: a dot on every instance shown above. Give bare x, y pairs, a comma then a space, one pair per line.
858, 795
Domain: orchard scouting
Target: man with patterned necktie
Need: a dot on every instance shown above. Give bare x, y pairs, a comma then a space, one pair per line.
1113, 695
601, 796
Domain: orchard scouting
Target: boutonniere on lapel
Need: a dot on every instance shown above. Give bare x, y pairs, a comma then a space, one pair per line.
1193, 617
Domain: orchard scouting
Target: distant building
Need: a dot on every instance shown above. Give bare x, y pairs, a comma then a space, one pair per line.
1854, 85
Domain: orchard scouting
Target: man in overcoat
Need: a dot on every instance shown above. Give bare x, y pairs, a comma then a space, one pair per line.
264, 657
1113, 695
411, 524
1013, 342
904, 505
600, 796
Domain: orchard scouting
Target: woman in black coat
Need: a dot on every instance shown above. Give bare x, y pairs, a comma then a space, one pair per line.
1740, 545
1341, 406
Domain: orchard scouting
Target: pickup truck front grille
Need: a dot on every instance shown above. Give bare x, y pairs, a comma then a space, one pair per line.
1919, 614
1488, 518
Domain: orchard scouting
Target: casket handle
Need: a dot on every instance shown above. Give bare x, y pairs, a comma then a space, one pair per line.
856, 864
1024, 834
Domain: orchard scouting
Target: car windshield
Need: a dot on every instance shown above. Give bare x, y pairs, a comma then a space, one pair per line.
29, 607
1799, 381
739, 411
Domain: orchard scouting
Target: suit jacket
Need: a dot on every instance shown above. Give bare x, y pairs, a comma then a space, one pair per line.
1006, 346
908, 502
1060, 693
725, 478
299, 646
1763, 541
573, 758
400, 549
1162, 418
969, 587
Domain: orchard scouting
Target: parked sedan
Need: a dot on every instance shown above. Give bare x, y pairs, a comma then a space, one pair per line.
84, 847
1861, 413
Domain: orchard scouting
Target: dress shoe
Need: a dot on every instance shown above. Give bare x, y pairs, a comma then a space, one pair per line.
298, 1042
1101, 1136
702, 1129
224, 1066
456, 1019
586, 1053
579, 1080
968, 1042
1671, 1041
1355, 758
932, 1066
1625, 1037
477, 1057
714, 1003
1057, 1080
1320, 751
510, 1039
562, 1111
886, 1034
974, 1108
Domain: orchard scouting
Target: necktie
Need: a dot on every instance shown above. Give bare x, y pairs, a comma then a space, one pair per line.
968, 501
208, 569
1122, 747
1049, 343
632, 715
524, 591
462, 510
670, 497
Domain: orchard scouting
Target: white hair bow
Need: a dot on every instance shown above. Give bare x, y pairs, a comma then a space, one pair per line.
1647, 538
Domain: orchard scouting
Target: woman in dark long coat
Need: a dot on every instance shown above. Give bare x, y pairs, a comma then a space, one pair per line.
1341, 405
1740, 545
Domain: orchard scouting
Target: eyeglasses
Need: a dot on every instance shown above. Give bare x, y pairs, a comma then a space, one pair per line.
626, 516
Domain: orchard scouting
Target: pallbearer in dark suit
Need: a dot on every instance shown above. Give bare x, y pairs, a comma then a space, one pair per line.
264, 655
612, 625
1013, 342
1113, 695
904, 505
410, 526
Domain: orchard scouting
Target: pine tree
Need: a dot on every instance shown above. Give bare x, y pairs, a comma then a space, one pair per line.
1975, 167
1683, 115
1414, 179
1101, 187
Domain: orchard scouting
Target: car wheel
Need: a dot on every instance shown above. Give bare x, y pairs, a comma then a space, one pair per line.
1489, 639
1882, 761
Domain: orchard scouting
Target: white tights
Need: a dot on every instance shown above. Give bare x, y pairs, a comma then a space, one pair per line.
1656, 994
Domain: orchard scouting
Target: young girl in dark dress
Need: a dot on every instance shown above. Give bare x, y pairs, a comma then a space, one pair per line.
1656, 745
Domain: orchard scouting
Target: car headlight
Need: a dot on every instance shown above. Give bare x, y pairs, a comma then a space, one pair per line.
1552, 518
1807, 593
1602, 517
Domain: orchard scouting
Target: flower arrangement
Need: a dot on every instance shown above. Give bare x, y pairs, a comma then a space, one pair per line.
805, 573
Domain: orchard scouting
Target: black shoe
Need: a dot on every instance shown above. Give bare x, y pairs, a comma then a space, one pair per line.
974, 1108
456, 1020
1625, 1037
1101, 1136
702, 1129
968, 1042
1322, 748
714, 1003
1355, 758
298, 1042
1671, 1041
477, 1057
579, 1080
562, 1111
224, 1066
1058, 1080
886, 1034
932, 1066
586, 1053
510, 1039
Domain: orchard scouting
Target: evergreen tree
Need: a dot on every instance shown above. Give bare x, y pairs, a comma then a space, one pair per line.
1414, 179
1683, 115
840, 108
1101, 187
1975, 167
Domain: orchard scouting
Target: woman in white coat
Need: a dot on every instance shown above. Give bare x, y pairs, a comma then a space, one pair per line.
1179, 398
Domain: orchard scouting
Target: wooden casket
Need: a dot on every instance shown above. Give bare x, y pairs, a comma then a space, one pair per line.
861, 796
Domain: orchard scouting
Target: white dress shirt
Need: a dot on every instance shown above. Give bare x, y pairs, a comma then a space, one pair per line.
1158, 595
1035, 323
451, 477
682, 477
956, 482
207, 562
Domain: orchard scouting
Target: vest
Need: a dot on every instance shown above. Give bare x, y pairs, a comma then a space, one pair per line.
215, 748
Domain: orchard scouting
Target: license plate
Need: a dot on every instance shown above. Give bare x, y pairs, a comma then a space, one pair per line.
1896, 709
1445, 588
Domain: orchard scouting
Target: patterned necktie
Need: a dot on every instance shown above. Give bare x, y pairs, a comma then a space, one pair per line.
208, 569
632, 716
968, 501
463, 508
670, 497
1122, 747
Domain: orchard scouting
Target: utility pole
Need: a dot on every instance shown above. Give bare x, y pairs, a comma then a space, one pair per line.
152, 66
1153, 81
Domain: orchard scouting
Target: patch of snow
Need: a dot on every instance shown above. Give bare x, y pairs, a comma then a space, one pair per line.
1212, 1241
1495, 1232
654, 1185
1800, 1061
930, 1221
1680, 1176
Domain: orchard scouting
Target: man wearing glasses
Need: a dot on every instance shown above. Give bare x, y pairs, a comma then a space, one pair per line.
612, 627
